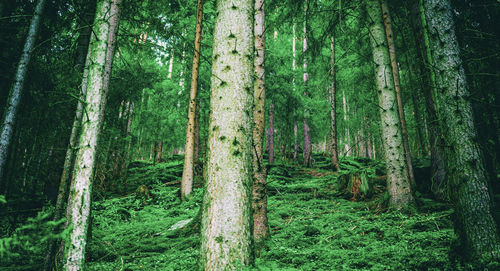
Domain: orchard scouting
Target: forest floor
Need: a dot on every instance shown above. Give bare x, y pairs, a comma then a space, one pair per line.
318, 220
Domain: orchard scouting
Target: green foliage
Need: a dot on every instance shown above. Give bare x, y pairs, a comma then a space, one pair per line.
313, 227
26, 247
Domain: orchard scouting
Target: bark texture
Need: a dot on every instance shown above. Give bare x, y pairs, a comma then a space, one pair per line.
188, 172
259, 192
466, 174
333, 115
226, 225
15, 94
398, 183
98, 78
397, 86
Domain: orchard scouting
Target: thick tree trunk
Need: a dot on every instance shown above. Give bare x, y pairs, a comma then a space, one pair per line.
307, 136
333, 106
398, 183
91, 126
226, 225
15, 95
438, 172
82, 64
259, 193
466, 175
188, 172
397, 86
270, 134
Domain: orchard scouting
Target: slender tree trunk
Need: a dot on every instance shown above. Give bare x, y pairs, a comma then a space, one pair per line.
333, 106
259, 193
15, 95
196, 152
398, 183
91, 126
82, 64
188, 172
270, 134
467, 177
295, 139
295, 127
226, 224
397, 86
307, 136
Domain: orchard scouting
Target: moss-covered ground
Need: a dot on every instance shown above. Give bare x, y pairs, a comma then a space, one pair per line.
318, 221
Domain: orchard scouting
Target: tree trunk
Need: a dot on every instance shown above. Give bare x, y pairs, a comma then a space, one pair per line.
333, 106
226, 226
91, 126
82, 63
15, 95
307, 136
259, 193
438, 172
188, 172
398, 183
466, 174
270, 134
295, 127
397, 86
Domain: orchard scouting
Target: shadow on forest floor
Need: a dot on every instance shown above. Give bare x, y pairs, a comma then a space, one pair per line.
318, 220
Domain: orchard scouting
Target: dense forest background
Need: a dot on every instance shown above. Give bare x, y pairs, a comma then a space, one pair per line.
311, 48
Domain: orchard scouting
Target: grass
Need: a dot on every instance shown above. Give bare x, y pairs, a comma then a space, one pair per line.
316, 223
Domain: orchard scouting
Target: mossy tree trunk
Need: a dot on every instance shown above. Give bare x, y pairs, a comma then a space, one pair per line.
259, 193
188, 172
98, 78
15, 94
397, 86
226, 225
466, 175
398, 183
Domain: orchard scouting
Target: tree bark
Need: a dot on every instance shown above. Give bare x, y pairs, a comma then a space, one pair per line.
97, 84
307, 136
398, 183
15, 95
333, 107
466, 174
226, 226
397, 86
188, 172
82, 64
259, 193
295, 127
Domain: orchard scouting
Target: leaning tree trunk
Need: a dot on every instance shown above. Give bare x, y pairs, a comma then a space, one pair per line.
91, 126
259, 193
307, 136
466, 174
398, 183
397, 86
226, 225
17, 89
82, 63
333, 115
188, 172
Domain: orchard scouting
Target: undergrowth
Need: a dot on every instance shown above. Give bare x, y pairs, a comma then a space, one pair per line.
316, 223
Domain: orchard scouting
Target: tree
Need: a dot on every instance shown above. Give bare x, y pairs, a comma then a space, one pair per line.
466, 175
188, 172
333, 101
397, 86
259, 193
98, 79
17, 89
398, 183
307, 136
226, 235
